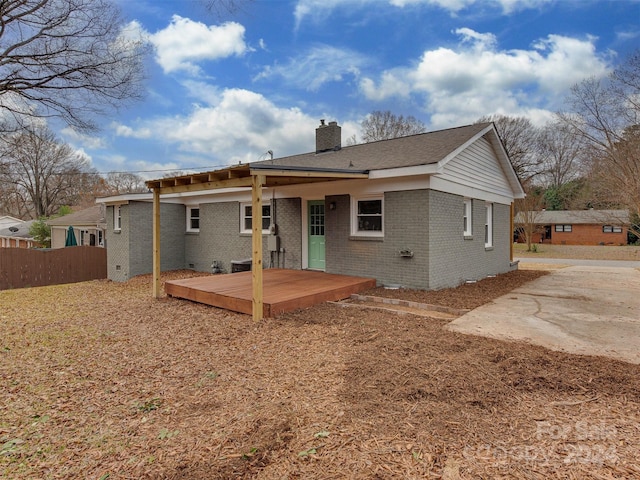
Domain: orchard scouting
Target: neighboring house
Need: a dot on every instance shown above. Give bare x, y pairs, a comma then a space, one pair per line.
89, 226
576, 227
425, 211
7, 221
17, 235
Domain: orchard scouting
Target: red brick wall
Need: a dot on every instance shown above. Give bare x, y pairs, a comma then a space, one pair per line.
587, 235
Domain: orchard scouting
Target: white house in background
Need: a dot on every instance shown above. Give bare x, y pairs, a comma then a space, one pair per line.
7, 221
89, 226
16, 235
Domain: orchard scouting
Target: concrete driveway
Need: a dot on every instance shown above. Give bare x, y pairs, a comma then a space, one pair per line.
587, 309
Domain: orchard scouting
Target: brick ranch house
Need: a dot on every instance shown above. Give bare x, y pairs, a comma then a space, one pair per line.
576, 227
425, 211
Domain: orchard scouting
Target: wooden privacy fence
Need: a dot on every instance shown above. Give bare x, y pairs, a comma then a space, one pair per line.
21, 267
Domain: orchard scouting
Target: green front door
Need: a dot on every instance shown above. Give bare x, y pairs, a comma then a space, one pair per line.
316, 234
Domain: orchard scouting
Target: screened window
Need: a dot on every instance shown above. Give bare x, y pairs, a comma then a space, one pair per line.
488, 226
246, 220
193, 219
117, 218
467, 218
563, 228
368, 217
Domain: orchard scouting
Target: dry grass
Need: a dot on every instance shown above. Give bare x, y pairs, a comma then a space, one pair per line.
587, 252
102, 381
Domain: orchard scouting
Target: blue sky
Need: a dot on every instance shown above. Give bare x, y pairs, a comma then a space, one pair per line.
226, 90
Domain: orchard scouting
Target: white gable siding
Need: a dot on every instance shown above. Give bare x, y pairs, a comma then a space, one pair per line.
478, 167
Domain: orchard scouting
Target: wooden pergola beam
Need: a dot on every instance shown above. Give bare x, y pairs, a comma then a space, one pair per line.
235, 177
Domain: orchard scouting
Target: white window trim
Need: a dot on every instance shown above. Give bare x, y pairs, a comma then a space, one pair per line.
488, 225
243, 217
468, 214
117, 218
354, 217
189, 209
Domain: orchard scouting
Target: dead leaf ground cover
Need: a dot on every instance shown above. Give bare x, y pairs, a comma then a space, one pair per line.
586, 252
102, 381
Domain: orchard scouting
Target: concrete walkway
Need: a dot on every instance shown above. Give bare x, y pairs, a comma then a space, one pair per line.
584, 309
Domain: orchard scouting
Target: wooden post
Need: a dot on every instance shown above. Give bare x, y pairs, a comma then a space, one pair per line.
256, 239
156, 243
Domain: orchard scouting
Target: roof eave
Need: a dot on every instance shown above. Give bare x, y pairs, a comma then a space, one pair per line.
429, 169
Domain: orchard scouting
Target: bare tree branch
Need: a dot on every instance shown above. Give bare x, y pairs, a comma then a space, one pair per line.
605, 114
385, 125
39, 174
71, 59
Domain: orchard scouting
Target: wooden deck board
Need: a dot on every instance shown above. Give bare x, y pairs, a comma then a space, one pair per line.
283, 290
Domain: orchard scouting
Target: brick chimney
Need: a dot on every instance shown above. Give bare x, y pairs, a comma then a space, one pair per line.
328, 137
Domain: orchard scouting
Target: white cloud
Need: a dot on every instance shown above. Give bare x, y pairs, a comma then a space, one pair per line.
391, 84
184, 43
128, 132
320, 9
477, 78
478, 41
627, 35
202, 91
241, 126
87, 141
319, 65
450, 5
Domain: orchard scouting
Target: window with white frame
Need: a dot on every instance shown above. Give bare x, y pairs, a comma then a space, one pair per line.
563, 228
367, 216
468, 218
117, 218
611, 229
488, 225
246, 217
193, 219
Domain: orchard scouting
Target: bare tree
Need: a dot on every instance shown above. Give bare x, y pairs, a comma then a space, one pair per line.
605, 114
221, 7
40, 174
70, 59
385, 125
528, 212
519, 138
125, 182
560, 155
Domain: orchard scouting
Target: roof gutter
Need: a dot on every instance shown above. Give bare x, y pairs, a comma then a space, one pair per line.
291, 168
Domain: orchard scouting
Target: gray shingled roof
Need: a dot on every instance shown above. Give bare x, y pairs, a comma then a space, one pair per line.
568, 217
88, 216
21, 230
413, 150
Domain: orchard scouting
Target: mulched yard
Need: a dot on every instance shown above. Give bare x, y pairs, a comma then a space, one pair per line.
101, 381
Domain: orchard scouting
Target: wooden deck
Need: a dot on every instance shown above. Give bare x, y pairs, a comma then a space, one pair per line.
283, 290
